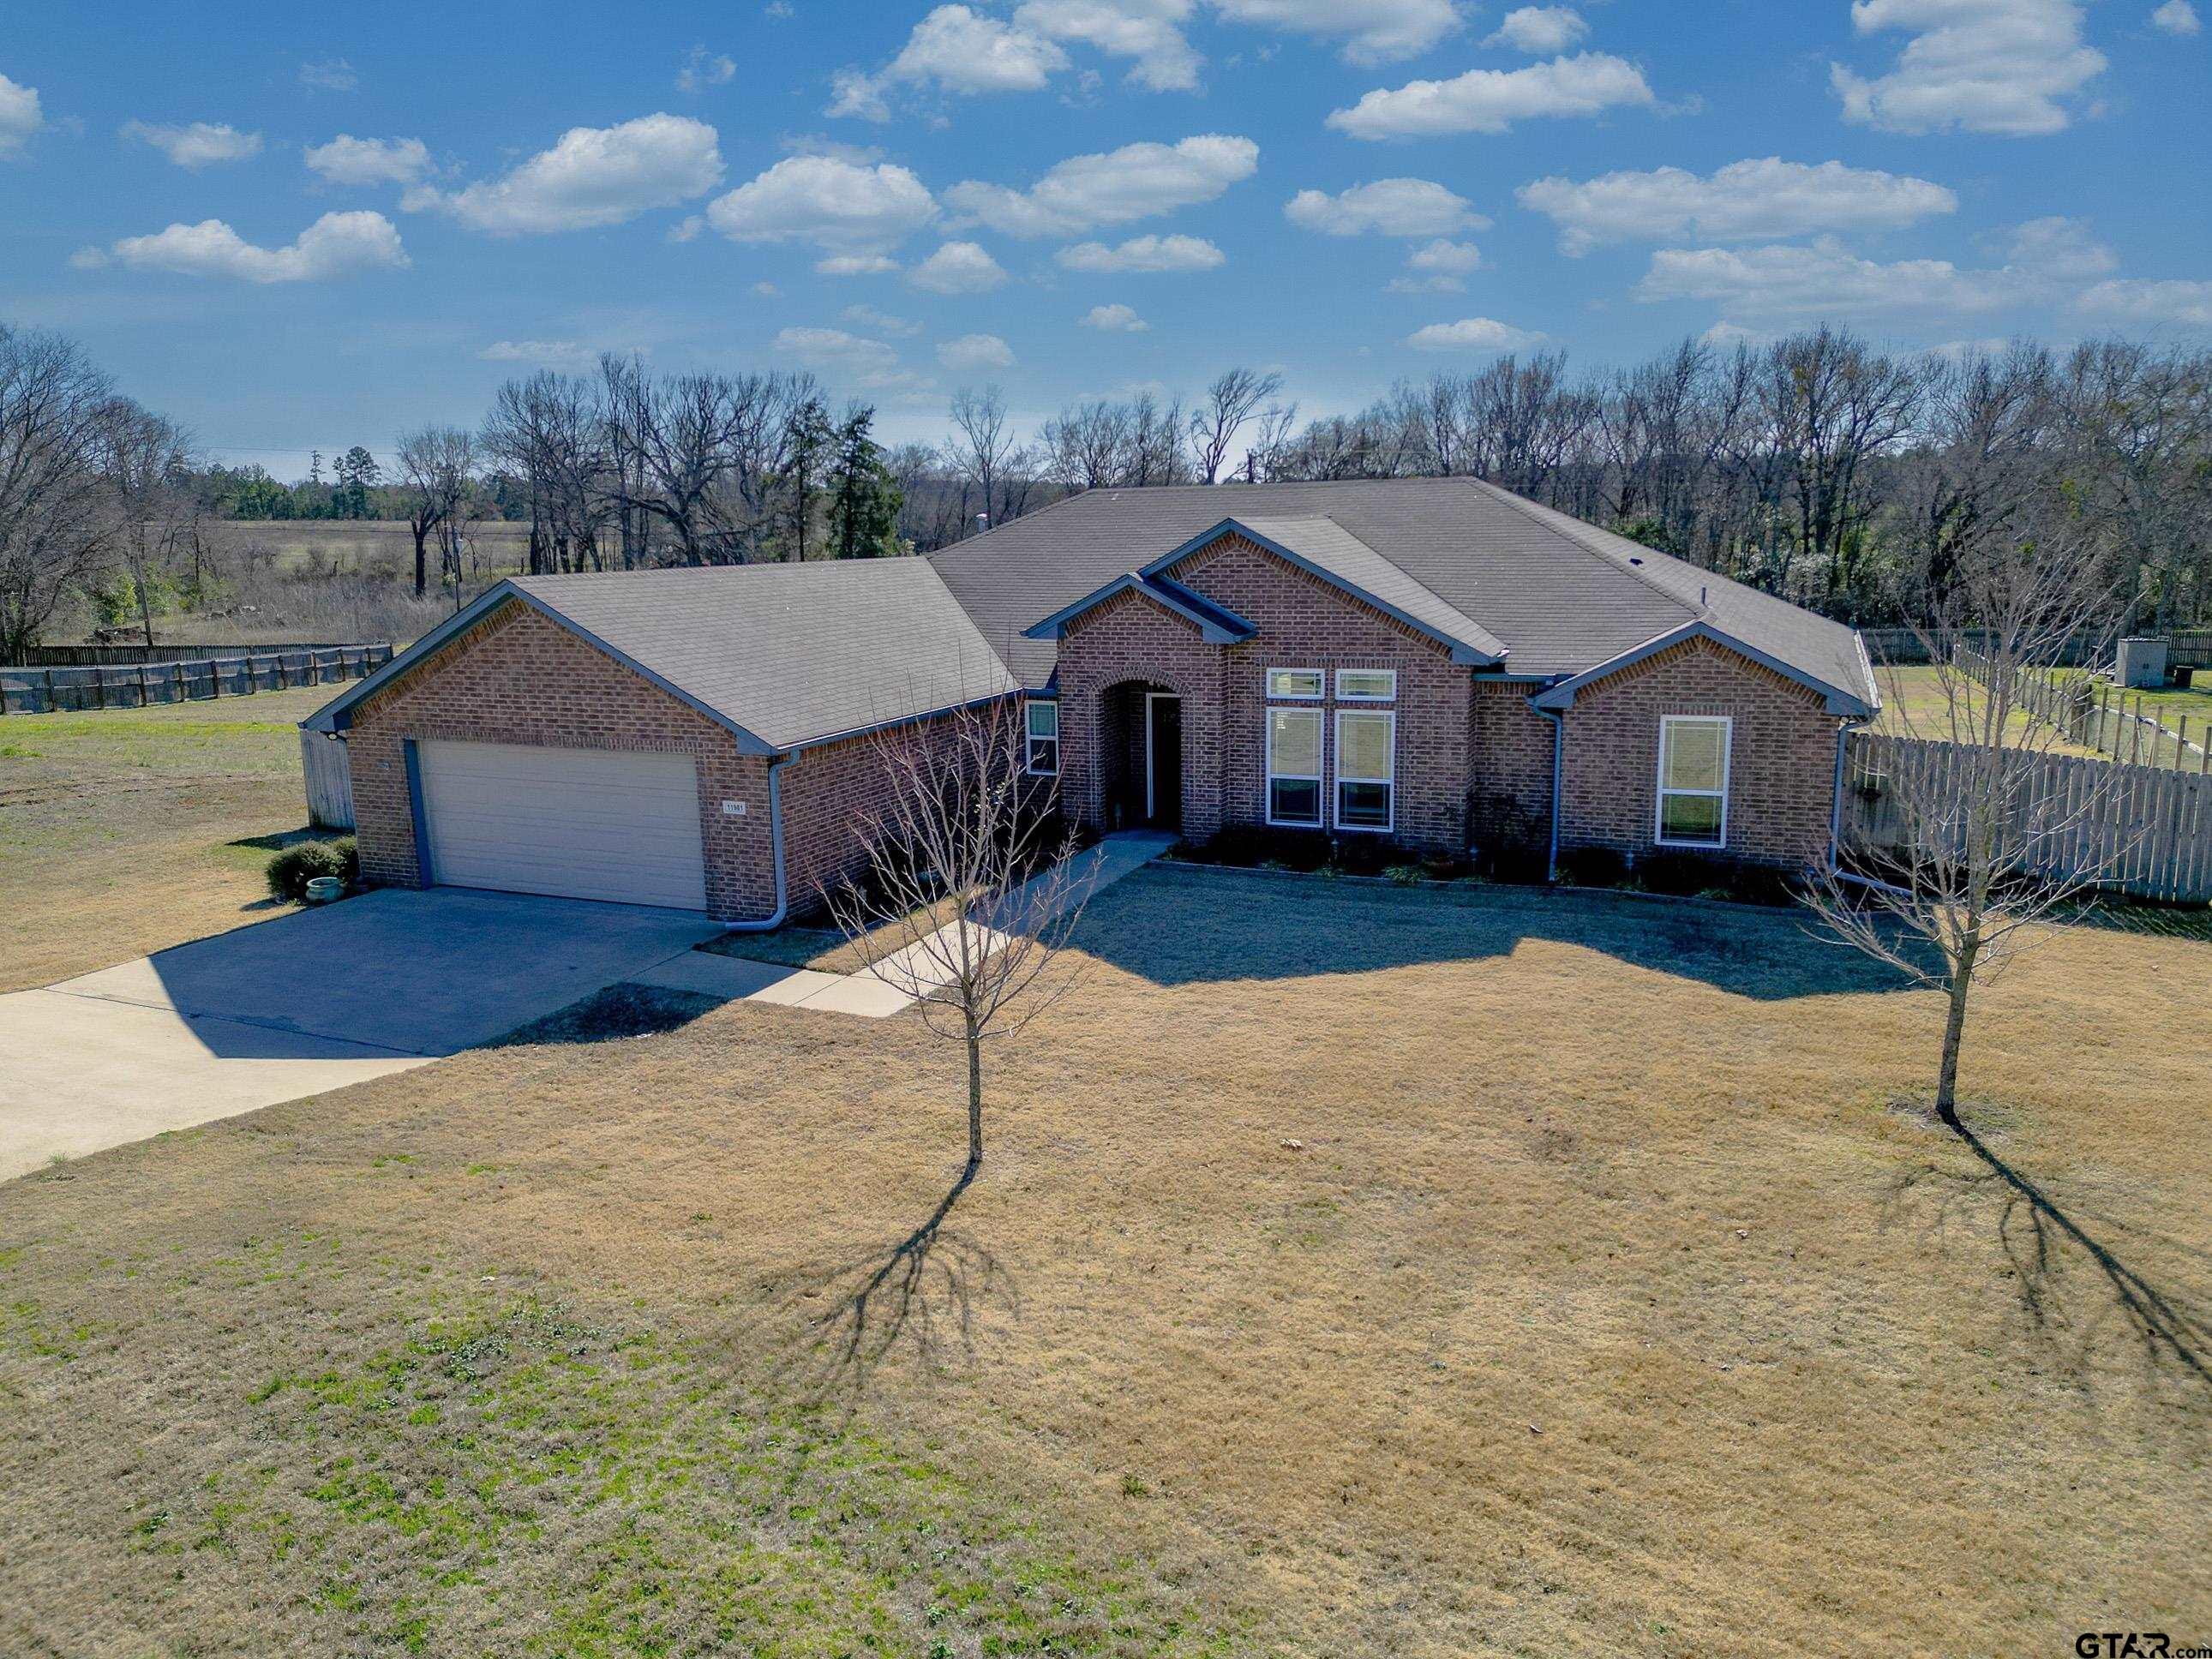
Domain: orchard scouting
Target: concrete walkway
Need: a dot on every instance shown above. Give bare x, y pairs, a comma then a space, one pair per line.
899, 980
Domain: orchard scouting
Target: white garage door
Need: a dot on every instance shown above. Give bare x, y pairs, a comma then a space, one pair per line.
591, 824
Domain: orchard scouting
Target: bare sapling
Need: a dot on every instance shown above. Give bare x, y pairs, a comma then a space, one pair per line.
970, 887
1983, 848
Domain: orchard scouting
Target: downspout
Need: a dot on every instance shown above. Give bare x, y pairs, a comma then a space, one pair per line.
1559, 766
1844, 730
773, 920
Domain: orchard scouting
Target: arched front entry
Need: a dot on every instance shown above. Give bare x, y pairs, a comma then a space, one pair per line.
1142, 755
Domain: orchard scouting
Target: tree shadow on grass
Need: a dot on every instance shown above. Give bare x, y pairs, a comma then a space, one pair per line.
916, 1298
608, 1016
2039, 1235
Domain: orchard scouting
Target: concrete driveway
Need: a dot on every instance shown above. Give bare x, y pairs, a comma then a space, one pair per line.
304, 1004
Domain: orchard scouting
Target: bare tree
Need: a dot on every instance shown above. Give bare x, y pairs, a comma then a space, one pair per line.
1087, 445
1233, 398
57, 522
437, 470
148, 461
966, 884
1984, 849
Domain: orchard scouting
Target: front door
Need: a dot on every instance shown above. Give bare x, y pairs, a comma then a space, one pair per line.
1164, 760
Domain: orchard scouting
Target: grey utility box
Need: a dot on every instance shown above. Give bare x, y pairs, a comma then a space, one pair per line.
2141, 665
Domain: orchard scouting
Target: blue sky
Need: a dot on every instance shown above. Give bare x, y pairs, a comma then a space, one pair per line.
1071, 197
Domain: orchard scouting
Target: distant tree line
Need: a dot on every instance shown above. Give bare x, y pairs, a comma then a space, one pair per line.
1817, 467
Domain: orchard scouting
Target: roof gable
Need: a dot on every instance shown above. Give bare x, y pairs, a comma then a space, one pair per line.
783, 656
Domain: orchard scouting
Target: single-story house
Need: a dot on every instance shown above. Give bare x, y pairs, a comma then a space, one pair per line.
1436, 661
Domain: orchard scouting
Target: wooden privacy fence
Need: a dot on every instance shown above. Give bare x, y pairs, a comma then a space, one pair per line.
28, 691
2098, 715
108, 656
2138, 830
327, 768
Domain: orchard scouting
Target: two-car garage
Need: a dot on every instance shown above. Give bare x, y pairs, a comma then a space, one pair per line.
590, 823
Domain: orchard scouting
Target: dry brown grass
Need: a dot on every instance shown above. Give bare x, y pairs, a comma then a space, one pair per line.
1411, 1273
118, 826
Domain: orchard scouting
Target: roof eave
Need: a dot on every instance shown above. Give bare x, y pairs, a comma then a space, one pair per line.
1837, 700
1469, 652
1212, 632
337, 716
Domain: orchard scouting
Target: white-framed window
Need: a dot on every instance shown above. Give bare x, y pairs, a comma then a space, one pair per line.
1366, 769
1693, 779
1294, 767
1042, 731
1299, 682
1366, 684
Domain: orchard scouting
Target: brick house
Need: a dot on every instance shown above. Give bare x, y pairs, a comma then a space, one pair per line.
1433, 661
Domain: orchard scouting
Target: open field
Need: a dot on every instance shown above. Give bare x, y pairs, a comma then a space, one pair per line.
1356, 1270
119, 829
1913, 707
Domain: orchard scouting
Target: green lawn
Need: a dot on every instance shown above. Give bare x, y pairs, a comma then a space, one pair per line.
126, 830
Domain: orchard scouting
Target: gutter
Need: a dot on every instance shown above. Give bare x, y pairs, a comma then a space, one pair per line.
774, 918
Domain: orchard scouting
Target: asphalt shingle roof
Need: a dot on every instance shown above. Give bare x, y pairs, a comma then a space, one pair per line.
792, 653
1562, 596
1325, 543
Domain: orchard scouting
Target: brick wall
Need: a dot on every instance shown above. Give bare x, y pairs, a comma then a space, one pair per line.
1781, 760
1302, 623
830, 797
518, 678
1509, 766
1128, 638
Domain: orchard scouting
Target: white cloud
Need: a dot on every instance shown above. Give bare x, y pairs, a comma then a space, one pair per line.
1727, 337
1378, 31
593, 176
1148, 31
2176, 17
335, 245
882, 321
2044, 257
2143, 300
1540, 29
197, 145
1389, 207
330, 74
347, 159
971, 352
20, 115
1144, 253
2001, 66
840, 206
870, 365
1442, 267
1115, 320
1492, 100
957, 268
833, 348
687, 228
1472, 334
1134, 182
767, 290
547, 354
1748, 200
702, 69
855, 264
955, 50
